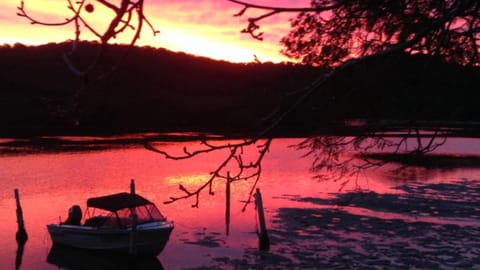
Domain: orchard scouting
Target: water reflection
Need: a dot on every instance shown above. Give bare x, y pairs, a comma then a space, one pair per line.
19, 254
73, 259
52, 182
427, 226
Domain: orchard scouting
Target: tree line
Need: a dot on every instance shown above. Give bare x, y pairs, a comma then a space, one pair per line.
155, 89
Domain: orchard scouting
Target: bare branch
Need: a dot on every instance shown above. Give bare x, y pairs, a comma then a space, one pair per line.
235, 153
208, 148
328, 160
22, 13
208, 183
122, 20
273, 10
109, 5
324, 7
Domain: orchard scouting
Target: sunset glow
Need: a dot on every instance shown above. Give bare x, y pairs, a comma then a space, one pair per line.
206, 28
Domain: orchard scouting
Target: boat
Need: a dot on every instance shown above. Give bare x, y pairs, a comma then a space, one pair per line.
120, 223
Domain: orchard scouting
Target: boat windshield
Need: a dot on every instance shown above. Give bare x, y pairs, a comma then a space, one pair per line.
100, 218
123, 217
145, 213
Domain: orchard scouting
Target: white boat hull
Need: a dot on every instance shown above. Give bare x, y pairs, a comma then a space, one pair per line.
149, 238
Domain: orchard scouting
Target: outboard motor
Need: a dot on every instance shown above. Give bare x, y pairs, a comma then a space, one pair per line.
74, 215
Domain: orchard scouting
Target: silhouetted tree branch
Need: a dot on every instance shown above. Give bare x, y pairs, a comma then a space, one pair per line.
273, 10
245, 171
338, 158
338, 34
123, 19
328, 151
344, 34
331, 32
128, 14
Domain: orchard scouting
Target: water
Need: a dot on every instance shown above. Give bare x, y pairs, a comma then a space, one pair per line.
50, 183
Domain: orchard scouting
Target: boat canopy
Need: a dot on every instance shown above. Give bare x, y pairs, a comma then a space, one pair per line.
117, 201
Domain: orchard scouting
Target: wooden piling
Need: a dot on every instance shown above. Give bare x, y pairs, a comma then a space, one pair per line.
21, 235
227, 204
132, 186
264, 241
133, 233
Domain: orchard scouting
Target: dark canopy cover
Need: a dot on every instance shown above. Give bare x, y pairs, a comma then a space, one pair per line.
117, 201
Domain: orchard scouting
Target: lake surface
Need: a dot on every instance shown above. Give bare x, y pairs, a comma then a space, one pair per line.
381, 218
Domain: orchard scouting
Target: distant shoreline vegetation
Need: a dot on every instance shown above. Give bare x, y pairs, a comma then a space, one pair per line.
160, 91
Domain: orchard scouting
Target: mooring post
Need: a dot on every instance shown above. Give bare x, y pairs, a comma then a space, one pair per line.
264, 241
227, 204
133, 233
21, 233
132, 186
19, 255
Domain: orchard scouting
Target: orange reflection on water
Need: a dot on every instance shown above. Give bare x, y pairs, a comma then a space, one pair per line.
50, 183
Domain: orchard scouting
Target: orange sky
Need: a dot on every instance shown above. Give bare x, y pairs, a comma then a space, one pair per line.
200, 27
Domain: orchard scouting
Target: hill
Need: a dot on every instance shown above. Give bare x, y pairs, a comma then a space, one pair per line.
400, 88
158, 90
152, 89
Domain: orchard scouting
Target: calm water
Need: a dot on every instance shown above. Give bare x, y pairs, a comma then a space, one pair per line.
50, 183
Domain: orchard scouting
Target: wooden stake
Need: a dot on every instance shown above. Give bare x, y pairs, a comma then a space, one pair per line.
264, 241
227, 205
21, 233
19, 255
132, 186
133, 235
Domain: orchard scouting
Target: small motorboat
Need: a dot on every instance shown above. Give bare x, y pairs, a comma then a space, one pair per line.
122, 222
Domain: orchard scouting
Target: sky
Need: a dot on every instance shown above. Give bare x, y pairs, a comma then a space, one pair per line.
200, 27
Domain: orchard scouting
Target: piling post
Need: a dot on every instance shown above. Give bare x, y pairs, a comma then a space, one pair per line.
227, 204
132, 186
19, 254
21, 235
264, 241
133, 233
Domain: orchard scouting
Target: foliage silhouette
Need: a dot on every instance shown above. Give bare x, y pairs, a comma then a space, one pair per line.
331, 32
344, 35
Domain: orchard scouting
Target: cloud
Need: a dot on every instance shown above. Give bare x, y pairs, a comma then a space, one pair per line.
214, 21
218, 15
